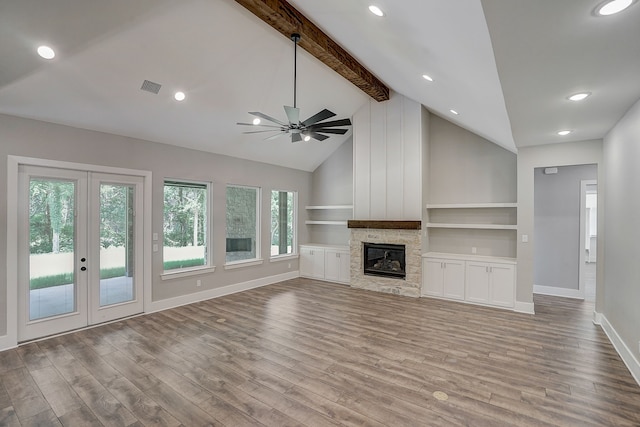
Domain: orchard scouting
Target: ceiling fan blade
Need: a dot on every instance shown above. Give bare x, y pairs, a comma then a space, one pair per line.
334, 131
296, 137
266, 126
316, 135
264, 116
318, 117
293, 114
275, 136
341, 122
261, 131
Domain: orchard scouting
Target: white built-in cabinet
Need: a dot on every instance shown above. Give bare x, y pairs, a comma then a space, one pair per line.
474, 279
443, 278
325, 262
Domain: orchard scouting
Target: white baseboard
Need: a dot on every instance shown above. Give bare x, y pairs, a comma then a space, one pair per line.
219, 292
597, 318
557, 292
524, 307
7, 342
625, 353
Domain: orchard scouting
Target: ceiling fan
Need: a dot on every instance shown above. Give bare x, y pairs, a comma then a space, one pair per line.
314, 127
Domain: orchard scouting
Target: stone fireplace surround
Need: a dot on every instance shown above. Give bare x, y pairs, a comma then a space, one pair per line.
406, 233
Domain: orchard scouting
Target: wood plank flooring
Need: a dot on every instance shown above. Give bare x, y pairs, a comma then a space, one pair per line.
310, 353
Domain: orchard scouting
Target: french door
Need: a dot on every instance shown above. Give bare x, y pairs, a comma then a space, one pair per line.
80, 244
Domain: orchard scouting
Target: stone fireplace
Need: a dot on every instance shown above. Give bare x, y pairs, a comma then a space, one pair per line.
383, 241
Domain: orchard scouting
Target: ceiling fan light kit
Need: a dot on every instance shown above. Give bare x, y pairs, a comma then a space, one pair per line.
312, 128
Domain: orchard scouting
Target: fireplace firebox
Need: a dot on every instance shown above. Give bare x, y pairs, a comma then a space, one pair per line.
382, 259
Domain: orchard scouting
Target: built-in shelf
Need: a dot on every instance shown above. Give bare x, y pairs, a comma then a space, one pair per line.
328, 207
470, 205
314, 222
473, 226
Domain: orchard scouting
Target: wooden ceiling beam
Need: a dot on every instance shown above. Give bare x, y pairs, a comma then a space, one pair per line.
288, 20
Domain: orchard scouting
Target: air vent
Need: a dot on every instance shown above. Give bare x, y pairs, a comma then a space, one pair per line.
151, 86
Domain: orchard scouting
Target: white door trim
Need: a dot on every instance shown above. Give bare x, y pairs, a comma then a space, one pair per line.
10, 340
583, 226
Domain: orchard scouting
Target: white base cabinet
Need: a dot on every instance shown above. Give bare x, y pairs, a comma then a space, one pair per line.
478, 280
443, 278
325, 262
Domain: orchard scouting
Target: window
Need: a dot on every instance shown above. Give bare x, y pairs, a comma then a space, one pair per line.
243, 204
282, 223
186, 222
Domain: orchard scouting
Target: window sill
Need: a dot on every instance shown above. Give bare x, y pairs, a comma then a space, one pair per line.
241, 264
287, 257
167, 275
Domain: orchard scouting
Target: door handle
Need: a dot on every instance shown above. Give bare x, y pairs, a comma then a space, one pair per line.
83, 268
83, 259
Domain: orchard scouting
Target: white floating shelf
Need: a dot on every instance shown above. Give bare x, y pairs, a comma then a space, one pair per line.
474, 226
328, 207
311, 222
470, 205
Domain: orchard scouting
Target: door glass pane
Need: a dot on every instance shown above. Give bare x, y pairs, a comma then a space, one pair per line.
52, 288
117, 260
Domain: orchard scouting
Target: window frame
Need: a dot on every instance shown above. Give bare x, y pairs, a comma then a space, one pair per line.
294, 219
257, 260
208, 266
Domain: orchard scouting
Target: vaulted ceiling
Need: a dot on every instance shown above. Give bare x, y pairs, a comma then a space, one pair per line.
506, 66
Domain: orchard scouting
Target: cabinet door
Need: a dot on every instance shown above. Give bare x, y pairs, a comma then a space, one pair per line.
345, 267
432, 280
453, 279
332, 265
502, 285
312, 262
477, 282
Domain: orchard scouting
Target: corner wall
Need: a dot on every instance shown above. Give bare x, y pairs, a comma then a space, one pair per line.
622, 273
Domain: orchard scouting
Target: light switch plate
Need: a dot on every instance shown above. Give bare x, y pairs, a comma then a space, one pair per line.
525, 238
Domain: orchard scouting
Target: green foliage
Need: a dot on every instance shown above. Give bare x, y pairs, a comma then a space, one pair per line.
51, 215
276, 218
183, 263
109, 273
184, 215
50, 281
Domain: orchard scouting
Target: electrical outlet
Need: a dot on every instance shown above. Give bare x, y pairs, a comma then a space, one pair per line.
198, 282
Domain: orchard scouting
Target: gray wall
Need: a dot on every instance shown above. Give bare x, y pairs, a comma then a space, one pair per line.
557, 225
530, 158
466, 168
622, 270
32, 138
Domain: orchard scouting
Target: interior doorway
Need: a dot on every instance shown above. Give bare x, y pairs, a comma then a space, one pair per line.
588, 237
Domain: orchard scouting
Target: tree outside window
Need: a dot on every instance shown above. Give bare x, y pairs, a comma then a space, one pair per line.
242, 223
185, 225
282, 222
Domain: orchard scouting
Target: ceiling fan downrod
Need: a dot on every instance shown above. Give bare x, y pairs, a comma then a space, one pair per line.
296, 38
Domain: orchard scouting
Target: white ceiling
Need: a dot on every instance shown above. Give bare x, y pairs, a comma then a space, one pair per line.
505, 65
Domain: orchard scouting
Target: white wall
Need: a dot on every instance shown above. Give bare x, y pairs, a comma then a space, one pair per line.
622, 273
332, 184
530, 158
387, 160
31, 138
557, 225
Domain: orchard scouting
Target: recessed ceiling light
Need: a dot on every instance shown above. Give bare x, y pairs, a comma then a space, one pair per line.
46, 52
613, 7
454, 112
376, 10
579, 96
179, 96
564, 132
427, 77
307, 138
256, 121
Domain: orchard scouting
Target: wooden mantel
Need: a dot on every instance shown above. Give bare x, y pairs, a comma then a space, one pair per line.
288, 20
384, 224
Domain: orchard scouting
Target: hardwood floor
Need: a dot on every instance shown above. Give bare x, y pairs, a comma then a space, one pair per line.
311, 353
